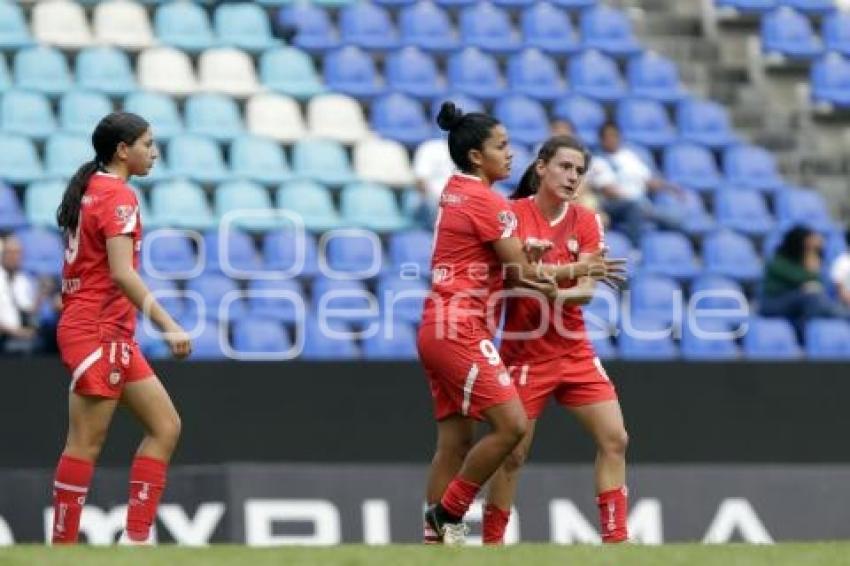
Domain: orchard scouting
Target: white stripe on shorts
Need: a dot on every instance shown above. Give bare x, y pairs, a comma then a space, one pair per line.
467, 388
84, 365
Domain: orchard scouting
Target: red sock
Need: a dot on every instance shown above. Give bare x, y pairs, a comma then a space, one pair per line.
458, 496
147, 480
495, 522
70, 486
612, 514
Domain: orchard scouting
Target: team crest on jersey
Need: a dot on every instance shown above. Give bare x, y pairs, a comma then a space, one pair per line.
114, 377
124, 212
508, 221
572, 245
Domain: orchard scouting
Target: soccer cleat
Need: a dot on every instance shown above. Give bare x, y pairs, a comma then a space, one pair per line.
450, 534
125, 540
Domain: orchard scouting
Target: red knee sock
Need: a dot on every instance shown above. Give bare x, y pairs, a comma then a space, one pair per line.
613, 505
70, 486
495, 522
459, 496
147, 480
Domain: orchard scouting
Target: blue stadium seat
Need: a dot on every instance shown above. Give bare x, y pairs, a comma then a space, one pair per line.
312, 202
198, 158
395, 3
787, 33
183, 25
14, 31
652, 342
691, 165
731, 255
314, 31
244, 26
19, 162
213, 288
241, 255
259, 159
106, 70
43, 69
403, 298
354, 255
413, 72
240, 199
522, 158
41, 200
608, 29
160, 110
523, 117
367, 26
344, 301
280, 253
489, 28
574, 4
751, 167
797, 205
654, 76
290, 71
260, 337
653, 298
181, 204
324, 161
746, 6
549, 29
398, 117
743, 211
670, 254
771, 339
64, 153
830, 81
835, 31
44, 251
828, 339
207, 345
645, 121
170, 253
704, 122
11, 215
619, 245
351, 71
319, 346
372, 206
586, 116
603, 348
81, 110
5, 75
280, 300
476, 74
462, 101
813, 7
688, 208
213, 115
718, 298
602, 315
534, 74
410, 252
27, 113
596, 75
708, 341
391, 342
426, 25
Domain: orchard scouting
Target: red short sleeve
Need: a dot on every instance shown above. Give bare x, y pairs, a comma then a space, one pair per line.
119, 214
493, 218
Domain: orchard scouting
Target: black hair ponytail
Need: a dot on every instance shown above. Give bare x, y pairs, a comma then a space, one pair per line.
69, 210
466, 132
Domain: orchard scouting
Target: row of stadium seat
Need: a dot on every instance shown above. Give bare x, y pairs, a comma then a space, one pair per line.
737, 7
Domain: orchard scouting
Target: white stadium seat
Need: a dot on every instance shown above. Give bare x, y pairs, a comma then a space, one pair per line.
275, 116
228, 71
124, 24
336, 117
167, 70
61, 23
383, 161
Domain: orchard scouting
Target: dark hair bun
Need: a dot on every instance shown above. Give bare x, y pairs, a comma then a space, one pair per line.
449, 116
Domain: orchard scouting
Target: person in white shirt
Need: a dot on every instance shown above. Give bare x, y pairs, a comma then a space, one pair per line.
839, 273
432, 167
18, 300
625, 183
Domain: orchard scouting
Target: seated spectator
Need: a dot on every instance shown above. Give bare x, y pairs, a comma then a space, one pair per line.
625, 184
18, 302
839, 273
432, 167
792, 288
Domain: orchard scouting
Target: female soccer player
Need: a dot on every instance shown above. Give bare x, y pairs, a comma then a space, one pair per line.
101, 294
474, 248
561, 363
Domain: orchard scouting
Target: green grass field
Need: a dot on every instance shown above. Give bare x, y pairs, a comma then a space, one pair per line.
815, 554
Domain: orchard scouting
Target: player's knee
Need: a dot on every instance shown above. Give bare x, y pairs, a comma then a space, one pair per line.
168, 430
616, 442
86, 444
515, 460
515, 428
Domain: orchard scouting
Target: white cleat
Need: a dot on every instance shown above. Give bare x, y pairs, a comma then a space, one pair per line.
454, 534
125, 540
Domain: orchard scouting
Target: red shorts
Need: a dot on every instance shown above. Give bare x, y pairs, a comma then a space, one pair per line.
466, 377
573, 382
100, 369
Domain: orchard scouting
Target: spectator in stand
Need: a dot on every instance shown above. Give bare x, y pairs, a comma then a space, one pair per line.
839, 273
432, 167
19, 301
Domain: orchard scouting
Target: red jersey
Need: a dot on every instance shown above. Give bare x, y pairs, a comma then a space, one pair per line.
577, 231
465, 269
93, 306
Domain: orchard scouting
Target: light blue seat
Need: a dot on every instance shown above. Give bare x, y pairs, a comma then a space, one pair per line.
351, 71
14, 31
670, 254
751, 167
44, 251
426, 25
455, 4
11, 215
746, 6
399, 117
19, 163
245, 197
367, 26
410, 252
688, 208
709, 341
524, 118
81, 110
835, 31
259, 159
313, 29
585, 114
653, 298
604, 348
170, 254
645, 346
106, 70
181, 204
259, 337
718, 298
646, 122
705, 122
27, 113
534, 74
281, 250
159, 110
771, 339
476, 74
231, 252
522, 158
198, 158
811, 7
549, 29
213, 288
324, 161
797, 205
464, 102
743, 211
787, 33
312, 202
608, 29
401, 299
41, 200
275, 299
290, 71
354, 255
828, 339
372, 206
206, 346
830, 80
243, 25
213, 115
489, 28
5, 75
342, 301
596, 75
64, 153
413, 72
654, 76
183, 25
318, 345
574, 4
691, 165
43, 69
394, 342
731, 255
